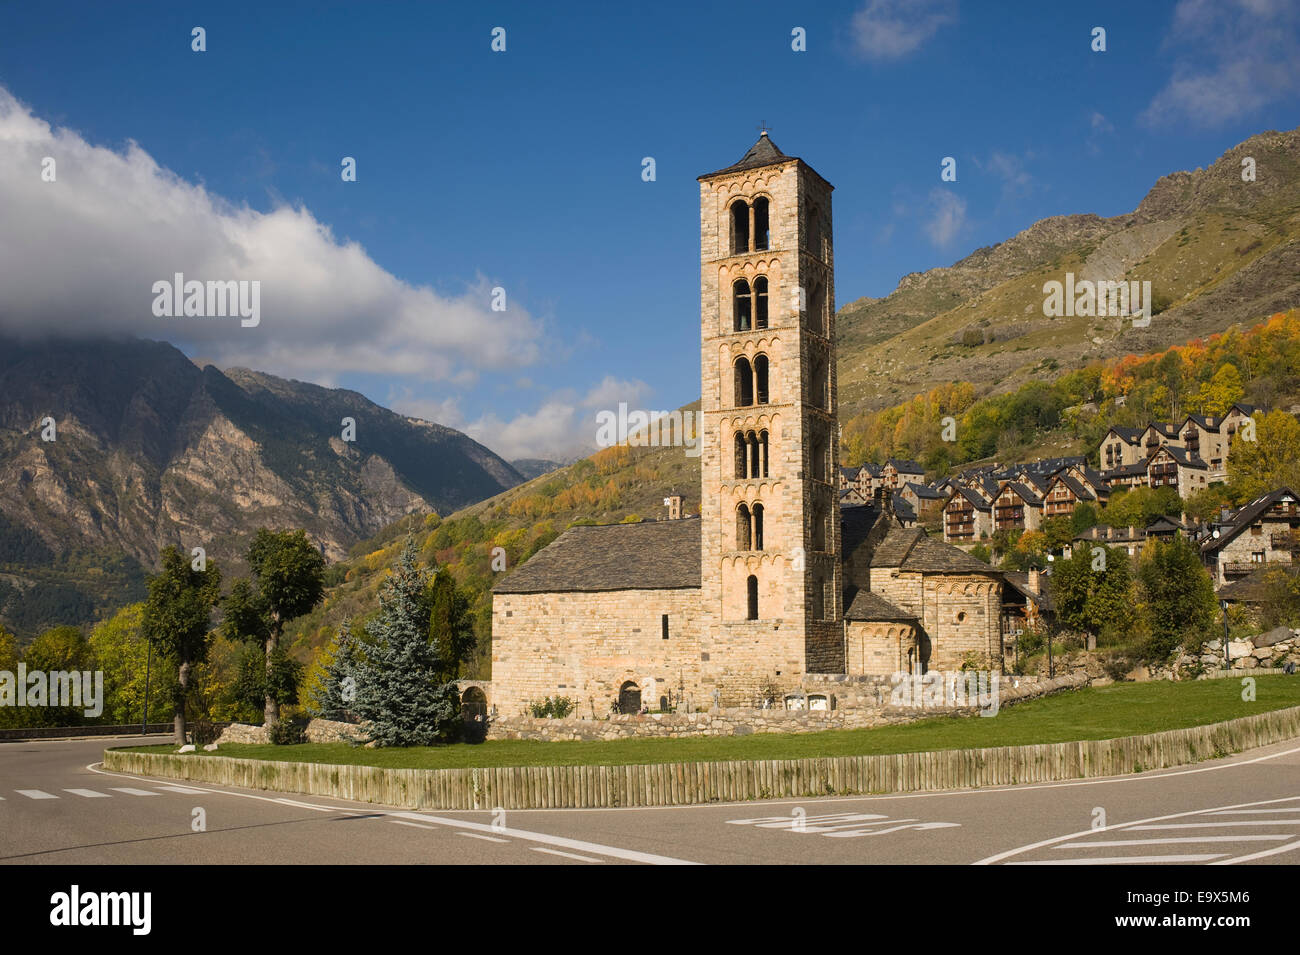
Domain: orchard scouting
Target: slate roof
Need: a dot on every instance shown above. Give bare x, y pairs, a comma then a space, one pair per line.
652, 555
906, 466
1184, 457
1131, 435
875, 470
976, 500
1127, 470
1078, 490
871, 606
762, 153
1243, 517
1019, 579
1204, 422
921, 491
1253, 588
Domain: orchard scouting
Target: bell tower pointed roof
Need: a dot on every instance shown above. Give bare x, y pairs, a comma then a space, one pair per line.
764, 152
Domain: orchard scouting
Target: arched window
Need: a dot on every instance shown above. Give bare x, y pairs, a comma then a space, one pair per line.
818, 527
742, 454
739, 227
744, 536
752, 470
762, 238
751, 592
816, 314
819, 392
758, 527
742, 305
760, 375
760, 302
814, 232
744, 383
762, 454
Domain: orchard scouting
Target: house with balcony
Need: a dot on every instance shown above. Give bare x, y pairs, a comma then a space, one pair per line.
1017, 507
967, 517
1172, 466
899, 471
1120, 447
1063, 494
1260, 534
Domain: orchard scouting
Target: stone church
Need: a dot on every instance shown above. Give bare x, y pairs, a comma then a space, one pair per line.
774, 579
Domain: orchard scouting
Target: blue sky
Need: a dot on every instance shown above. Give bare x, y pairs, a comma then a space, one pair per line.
522, 169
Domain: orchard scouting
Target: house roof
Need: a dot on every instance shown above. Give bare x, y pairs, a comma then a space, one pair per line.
1128, 470
1243, 517
870, 606
651, 555
921, 491
1254, 587
1182, 456
1210, 423
873, 469
1024, 492
905, 465
1131, 435
1078, 489
1162, 427
1020, 581
974, 497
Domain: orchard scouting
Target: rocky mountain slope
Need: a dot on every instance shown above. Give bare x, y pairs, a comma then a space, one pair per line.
1216, 249
151, 450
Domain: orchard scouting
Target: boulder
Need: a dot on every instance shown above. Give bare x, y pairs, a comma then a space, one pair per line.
1240, 648
187, 748
1276, 635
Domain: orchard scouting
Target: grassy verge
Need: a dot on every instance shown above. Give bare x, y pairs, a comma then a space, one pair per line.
1125, 709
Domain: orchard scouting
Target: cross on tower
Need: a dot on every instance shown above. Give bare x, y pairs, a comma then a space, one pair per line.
762, 128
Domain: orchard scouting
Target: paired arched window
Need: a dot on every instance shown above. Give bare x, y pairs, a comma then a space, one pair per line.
749, 305
751, 221
819, 384
815, 316
749, 527
751, 594
751, 381
751, 454
814, 232
818, 527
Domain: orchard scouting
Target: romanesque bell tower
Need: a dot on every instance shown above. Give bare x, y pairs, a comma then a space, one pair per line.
770, 523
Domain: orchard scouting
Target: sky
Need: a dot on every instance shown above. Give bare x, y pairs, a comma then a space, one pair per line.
523, 170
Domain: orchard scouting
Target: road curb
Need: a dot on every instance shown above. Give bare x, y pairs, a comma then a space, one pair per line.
680, 784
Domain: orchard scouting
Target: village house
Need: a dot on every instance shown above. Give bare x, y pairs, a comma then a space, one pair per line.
925, 501
1262, 533
898, 472
1172, 466
1017, 507
1121, 447
967, 517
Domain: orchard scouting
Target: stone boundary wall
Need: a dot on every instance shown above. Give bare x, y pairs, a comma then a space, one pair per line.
676, 784
70, 732
866, 705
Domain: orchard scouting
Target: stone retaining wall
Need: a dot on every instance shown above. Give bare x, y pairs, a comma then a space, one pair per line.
674, 784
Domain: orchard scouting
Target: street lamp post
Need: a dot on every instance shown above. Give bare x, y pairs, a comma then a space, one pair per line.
1227, 651
148, 661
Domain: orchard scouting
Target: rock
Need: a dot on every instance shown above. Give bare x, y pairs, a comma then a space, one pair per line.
211, 748
1276, 635
1239, 648
187, 748
1248, 663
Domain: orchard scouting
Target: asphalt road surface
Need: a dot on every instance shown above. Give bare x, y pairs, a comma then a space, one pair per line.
57, 806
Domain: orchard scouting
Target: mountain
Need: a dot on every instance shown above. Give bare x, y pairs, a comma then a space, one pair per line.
1217, 250
149, 450
535, 467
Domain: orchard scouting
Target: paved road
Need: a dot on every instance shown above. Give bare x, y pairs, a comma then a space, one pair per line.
56, 807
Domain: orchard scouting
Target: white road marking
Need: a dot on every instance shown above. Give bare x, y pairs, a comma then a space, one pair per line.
184, 790
413, 825
35, 794
1162, 842
1126, 860
1289, 847
475, 835
132, 792
88, 793
567, 855
631, 855
1158, 823
1242, 812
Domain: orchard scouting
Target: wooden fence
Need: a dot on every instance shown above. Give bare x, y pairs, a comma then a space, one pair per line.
676, 784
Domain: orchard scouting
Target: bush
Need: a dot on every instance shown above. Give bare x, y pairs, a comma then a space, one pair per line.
552, 707
288, 732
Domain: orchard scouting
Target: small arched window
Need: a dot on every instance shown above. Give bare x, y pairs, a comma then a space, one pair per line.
744, 529
751, 592
760, 376
814, 232
762, 237
742, 455
762, 453
816, 314
742, 305
758, 527
760, 302
818, 527
744, 383
819, 390
739, 227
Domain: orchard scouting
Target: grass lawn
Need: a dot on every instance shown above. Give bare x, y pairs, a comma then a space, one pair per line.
1123, 709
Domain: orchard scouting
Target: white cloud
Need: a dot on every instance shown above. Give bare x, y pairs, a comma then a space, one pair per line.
79, 256
892, 29
1010, 169
563, 426
1232, 57
948, 217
